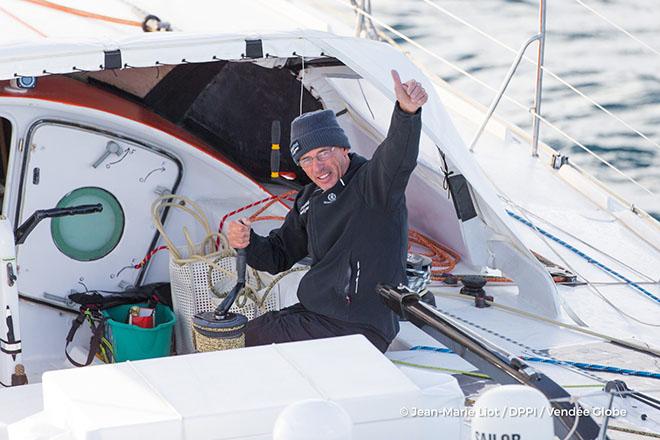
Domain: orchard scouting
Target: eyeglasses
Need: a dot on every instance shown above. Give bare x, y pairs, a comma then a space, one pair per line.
321, 156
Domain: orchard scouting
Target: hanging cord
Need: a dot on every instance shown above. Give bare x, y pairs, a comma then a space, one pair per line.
277, 279
302, 81
445, 171
207, 251
576, 421
106, 352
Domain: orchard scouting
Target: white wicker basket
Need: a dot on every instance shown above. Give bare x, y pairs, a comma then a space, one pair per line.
191, 294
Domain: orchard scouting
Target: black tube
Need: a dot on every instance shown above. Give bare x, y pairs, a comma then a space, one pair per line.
502, 367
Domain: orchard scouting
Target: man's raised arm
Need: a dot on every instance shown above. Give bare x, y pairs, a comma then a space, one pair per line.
395, 159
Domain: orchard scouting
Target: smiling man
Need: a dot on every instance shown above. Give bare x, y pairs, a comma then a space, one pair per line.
351, 220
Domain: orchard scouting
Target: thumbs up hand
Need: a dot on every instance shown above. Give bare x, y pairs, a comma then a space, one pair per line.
411, 95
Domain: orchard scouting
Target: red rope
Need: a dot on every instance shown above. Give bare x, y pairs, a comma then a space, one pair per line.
254, 217
444, 259
149, 256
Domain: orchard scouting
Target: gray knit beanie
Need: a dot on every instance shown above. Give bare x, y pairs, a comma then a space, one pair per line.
313, 130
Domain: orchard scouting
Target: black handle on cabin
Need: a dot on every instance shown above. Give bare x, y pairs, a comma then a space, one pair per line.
28, 226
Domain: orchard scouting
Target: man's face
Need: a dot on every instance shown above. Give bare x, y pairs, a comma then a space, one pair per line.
325, 165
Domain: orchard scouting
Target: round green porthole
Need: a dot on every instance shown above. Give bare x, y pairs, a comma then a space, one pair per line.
88, 237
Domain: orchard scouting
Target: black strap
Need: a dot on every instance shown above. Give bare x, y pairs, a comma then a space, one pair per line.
94, 343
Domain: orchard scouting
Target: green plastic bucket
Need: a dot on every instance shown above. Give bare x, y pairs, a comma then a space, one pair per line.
132, 343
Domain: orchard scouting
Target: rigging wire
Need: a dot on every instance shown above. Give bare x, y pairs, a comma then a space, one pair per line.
584, 256
568, 266
455, 319
545, 70
616, 26
366, 101
534, 317
575, 237
506, 97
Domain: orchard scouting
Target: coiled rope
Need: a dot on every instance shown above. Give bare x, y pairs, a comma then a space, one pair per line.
444, 259
213, 247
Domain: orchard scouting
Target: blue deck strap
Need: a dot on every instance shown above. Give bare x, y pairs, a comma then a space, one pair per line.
580, 365
596, 367
585, 256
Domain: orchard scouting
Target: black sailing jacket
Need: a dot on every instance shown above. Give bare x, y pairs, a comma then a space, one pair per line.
356, 233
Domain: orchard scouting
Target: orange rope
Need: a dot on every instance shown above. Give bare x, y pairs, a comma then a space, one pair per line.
81, 13
444, 259
24, 23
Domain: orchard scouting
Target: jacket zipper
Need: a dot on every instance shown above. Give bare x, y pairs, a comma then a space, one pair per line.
310, 228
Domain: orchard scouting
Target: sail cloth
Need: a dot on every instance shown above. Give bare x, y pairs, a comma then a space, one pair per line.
371, 60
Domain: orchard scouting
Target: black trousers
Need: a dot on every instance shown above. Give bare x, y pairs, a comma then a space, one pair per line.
296, 323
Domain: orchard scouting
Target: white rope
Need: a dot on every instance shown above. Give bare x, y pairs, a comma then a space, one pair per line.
575, 423
619, 28
546, 70
513, 101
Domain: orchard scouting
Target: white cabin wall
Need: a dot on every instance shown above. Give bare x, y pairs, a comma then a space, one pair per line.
204, 177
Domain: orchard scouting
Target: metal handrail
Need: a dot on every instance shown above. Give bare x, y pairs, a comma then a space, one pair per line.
500, 92
508, 98
540, 37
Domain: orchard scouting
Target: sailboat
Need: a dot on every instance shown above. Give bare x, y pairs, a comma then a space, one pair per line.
540, 274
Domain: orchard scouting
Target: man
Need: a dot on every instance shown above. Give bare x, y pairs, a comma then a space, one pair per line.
353, 223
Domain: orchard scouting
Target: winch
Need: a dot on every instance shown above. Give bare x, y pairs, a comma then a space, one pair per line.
418, 272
